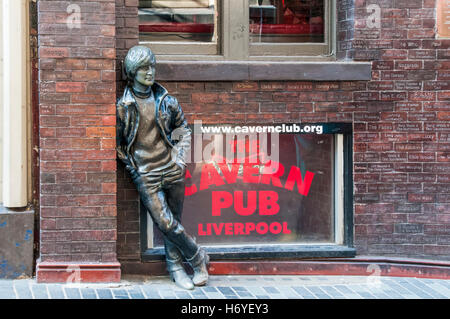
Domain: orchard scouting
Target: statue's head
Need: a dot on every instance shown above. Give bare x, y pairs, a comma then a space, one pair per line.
140, 65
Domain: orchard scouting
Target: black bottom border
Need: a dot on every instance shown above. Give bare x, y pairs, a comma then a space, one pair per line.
223, 308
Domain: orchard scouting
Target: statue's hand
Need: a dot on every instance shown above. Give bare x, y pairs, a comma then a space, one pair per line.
121, 154
182, 168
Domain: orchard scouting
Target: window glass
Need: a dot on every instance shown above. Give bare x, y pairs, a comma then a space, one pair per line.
178, 21
286, 21
250, 209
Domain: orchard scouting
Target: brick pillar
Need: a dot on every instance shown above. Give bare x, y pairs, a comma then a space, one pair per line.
77, 94
128, 223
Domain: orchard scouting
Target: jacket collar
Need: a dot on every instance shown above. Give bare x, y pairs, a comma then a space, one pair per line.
159, 93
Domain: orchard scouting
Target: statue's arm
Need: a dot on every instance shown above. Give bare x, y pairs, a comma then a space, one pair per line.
181, 132
120, 133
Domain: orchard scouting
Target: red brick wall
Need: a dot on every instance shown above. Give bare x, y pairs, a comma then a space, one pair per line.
401, 128
77, 93
402, 149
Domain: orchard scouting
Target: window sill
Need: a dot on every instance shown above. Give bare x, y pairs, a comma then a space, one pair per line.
266, 251
262, 71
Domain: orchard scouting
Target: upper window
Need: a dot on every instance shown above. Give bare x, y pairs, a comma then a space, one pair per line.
237, 29
179, 27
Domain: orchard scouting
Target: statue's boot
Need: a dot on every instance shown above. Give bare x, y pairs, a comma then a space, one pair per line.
178, 274
193, 254
199, 263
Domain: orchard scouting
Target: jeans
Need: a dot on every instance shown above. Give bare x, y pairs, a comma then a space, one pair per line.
162, 193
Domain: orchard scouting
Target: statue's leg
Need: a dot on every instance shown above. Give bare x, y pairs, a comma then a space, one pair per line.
174, 258
162, 216
175, 199
174, 187
153, 196
175, 237
154, 189
174, 264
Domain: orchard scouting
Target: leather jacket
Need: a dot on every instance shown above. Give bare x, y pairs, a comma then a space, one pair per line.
169, 118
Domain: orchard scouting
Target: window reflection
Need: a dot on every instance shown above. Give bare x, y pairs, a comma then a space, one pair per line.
178, 21
286, 21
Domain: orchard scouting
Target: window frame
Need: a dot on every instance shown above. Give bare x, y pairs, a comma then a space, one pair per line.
233, 41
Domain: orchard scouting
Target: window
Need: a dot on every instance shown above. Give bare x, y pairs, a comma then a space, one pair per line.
258, 191
238, 29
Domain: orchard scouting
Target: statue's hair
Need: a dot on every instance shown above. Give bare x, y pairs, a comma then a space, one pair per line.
137, 57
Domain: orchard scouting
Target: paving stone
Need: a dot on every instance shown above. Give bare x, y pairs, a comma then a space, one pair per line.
136, 294
167, 294
239, 288
214, 295
420, 293
104, 294
319, 293
244, 294
271, 290
183, 295
387, 293
362, 291
302, 291
332, 292
198, 293
7, 292
288, 292
422, 285
150, 292
73, 293
22, 289
347, 292
445, 283
120, 294
88, 293
256, 290
6, 283
39, 291
209, 289
55, 291
394, 284
402, 291
226, 291
379, 294
441, 289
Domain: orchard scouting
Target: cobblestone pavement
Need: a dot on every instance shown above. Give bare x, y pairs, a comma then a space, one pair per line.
236, 287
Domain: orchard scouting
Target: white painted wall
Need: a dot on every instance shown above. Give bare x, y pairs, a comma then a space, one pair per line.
15, 102
1, 104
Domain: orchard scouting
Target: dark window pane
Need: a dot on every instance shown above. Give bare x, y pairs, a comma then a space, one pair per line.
179, 21
287, 21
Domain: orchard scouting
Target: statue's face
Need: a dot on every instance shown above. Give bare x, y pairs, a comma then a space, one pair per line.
145, 75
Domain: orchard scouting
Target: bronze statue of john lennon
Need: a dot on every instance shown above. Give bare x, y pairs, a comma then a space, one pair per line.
152, 140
